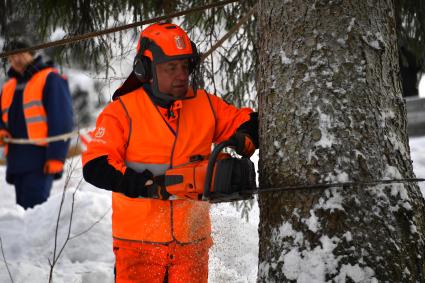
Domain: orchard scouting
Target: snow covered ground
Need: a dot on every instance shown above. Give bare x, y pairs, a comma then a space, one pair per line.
28, 237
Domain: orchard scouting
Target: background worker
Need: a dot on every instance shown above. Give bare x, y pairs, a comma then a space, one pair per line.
157, 120
36, 104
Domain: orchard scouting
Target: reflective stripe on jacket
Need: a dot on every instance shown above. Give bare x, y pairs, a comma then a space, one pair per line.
34, 112
133, 132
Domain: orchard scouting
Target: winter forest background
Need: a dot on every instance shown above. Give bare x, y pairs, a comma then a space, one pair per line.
30, 241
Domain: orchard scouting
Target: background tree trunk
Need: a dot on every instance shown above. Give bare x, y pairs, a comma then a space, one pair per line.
331, 110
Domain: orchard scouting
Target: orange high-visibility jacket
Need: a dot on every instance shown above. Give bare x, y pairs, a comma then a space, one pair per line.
34, 112
133, 132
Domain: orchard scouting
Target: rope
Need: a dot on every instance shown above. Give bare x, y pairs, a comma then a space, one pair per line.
76, 133
114, 29
61, 137
341, 184
89, 35
218, 43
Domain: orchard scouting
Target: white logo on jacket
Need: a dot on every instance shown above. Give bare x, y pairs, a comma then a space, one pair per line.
100, 132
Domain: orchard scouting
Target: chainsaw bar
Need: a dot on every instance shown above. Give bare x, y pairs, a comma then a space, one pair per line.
248, 194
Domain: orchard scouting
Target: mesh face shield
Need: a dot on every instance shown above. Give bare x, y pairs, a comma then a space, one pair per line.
165, 42
160, 43
194, 72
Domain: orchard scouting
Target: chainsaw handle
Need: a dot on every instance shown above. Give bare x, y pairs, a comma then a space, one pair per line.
210, 168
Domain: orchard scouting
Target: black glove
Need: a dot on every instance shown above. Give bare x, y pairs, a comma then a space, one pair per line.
243, 144
157, 192
134, 184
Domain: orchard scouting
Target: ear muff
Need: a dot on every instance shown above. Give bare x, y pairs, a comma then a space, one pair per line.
195, 60
142, 68
142, 64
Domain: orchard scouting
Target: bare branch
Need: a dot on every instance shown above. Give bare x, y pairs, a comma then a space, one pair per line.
91, 226
5, 262
71, 169
70, 220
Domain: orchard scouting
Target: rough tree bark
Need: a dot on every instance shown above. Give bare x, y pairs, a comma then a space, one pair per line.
331, 110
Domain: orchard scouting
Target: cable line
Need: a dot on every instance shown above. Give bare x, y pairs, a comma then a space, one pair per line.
62, 137
333, 185
76, 133
85, 36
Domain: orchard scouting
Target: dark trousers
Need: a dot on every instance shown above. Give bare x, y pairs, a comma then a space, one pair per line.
32, 188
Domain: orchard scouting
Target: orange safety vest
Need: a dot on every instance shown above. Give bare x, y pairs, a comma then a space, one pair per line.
133, 133
34, 112
153, 146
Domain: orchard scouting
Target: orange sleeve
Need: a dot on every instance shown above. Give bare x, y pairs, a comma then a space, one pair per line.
228, 118
110, 137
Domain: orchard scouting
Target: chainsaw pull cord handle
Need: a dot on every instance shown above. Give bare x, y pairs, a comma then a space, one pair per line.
210, 168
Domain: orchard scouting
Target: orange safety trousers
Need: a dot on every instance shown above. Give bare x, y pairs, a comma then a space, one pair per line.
152, 263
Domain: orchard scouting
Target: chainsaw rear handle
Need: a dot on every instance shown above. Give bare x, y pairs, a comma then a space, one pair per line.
210, 168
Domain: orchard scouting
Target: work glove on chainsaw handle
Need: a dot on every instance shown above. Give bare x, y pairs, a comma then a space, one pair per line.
243, 144
4, 134
156, 191
136, 185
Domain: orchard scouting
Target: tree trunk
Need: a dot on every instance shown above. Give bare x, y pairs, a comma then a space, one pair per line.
331, 110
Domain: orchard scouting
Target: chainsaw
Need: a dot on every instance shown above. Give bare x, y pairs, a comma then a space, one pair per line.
219, 178
223, 178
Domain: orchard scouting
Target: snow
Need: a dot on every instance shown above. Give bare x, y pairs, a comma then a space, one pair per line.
58, 34
373, 40
312, 222
318, 261
356, 274
326, 138
417, 150
350, 27
28, 237
332, 203
421, 87
284, 59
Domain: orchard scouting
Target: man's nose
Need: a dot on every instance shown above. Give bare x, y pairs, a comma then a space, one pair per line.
182, 73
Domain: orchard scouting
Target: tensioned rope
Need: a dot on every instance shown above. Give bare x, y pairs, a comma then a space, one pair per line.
203, 57
61, 137
85, 36
340, 184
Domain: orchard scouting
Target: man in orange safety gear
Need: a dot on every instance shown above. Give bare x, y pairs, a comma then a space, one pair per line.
158, 120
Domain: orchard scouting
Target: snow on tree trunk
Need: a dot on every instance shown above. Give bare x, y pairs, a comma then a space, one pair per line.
331, 110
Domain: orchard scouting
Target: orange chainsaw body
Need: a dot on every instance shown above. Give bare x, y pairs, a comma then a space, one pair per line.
190, 178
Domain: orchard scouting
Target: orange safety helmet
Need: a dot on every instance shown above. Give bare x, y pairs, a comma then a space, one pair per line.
164, 42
